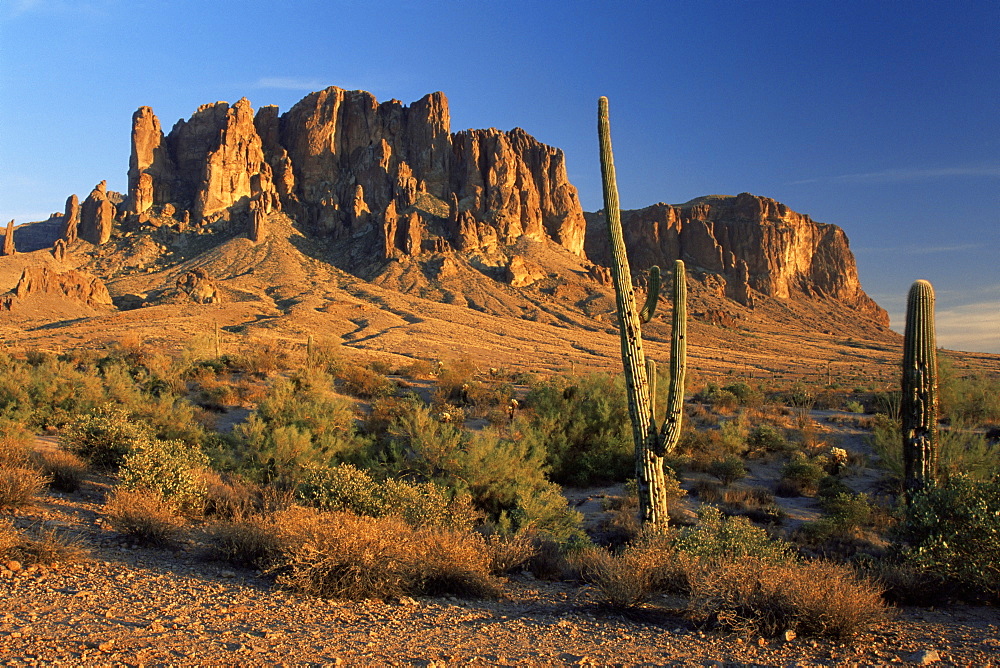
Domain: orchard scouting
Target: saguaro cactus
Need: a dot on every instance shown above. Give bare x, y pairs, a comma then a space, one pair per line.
651, 443
920, 396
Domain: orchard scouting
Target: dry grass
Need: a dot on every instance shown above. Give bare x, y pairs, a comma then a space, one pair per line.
342, 555
64, 469
38, 546
751, 596
19, 486
15, 447
630, 577
510, 553
143, 515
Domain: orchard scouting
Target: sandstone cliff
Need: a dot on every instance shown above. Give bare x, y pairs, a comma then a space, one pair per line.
390, 178
757, 245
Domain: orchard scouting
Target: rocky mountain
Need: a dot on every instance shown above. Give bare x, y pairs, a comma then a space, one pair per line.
376, 224
391, 178
753, 246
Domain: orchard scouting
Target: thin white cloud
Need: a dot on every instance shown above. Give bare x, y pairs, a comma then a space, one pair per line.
289, 83
969, 327
919, 250
905, 175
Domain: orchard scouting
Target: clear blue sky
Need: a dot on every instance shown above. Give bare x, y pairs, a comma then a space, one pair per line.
880, 117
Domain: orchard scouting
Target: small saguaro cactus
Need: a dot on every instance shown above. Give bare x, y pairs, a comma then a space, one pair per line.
651, 443
918, 409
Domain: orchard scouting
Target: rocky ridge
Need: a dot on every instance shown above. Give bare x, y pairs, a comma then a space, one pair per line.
757, 246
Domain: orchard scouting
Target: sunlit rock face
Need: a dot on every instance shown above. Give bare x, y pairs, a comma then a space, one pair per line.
381, 175
756, 244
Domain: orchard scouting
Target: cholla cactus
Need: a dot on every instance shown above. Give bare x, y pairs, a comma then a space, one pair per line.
651, 443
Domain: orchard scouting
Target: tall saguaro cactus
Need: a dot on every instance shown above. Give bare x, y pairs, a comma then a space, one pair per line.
651, 443
920, 393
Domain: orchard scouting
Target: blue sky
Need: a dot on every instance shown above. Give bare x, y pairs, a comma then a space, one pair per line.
880, 117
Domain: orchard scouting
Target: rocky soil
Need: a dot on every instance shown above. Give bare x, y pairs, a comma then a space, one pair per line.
128, 605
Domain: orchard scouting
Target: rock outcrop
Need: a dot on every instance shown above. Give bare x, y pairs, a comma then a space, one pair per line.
8, 240
386, 176
75, 285
756, 244
198, 287
71, 219
97, 215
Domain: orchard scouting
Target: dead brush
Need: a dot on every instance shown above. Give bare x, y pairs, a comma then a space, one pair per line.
64, 470
509, 554
342, 555
19, 486
38, 545
630, 577
15, 448
143, 515
754, 596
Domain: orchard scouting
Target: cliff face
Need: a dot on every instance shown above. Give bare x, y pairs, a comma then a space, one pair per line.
756, 244
383, 175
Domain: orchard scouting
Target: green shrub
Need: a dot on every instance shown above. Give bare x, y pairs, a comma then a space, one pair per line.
105, 436
346, 488
972, 398
583, 428
855, 407
504, 474
767, 438
718, 536
800, 478
170, 468
728, 470
301, 421
953, 531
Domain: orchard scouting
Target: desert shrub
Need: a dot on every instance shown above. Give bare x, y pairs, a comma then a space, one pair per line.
800, 477
15, 444
143, 515
247, 541
105, 436
716, 535
19, 486
584, 428
765, 438
800, 396
855, 407
504, 474
228, 496
169, 468
63, 469
364, 382
745, 394
728, 470
845, 515
953, 531
300, 421
761, 596
629, 578
346, 488
971, 398
342, 555
510, 553
37, 545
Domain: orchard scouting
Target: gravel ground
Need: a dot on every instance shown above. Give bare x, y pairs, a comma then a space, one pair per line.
130, 606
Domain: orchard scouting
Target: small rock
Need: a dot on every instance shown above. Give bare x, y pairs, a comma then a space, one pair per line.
925, 657
789, 635
106, 645
227, 574
13, 566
